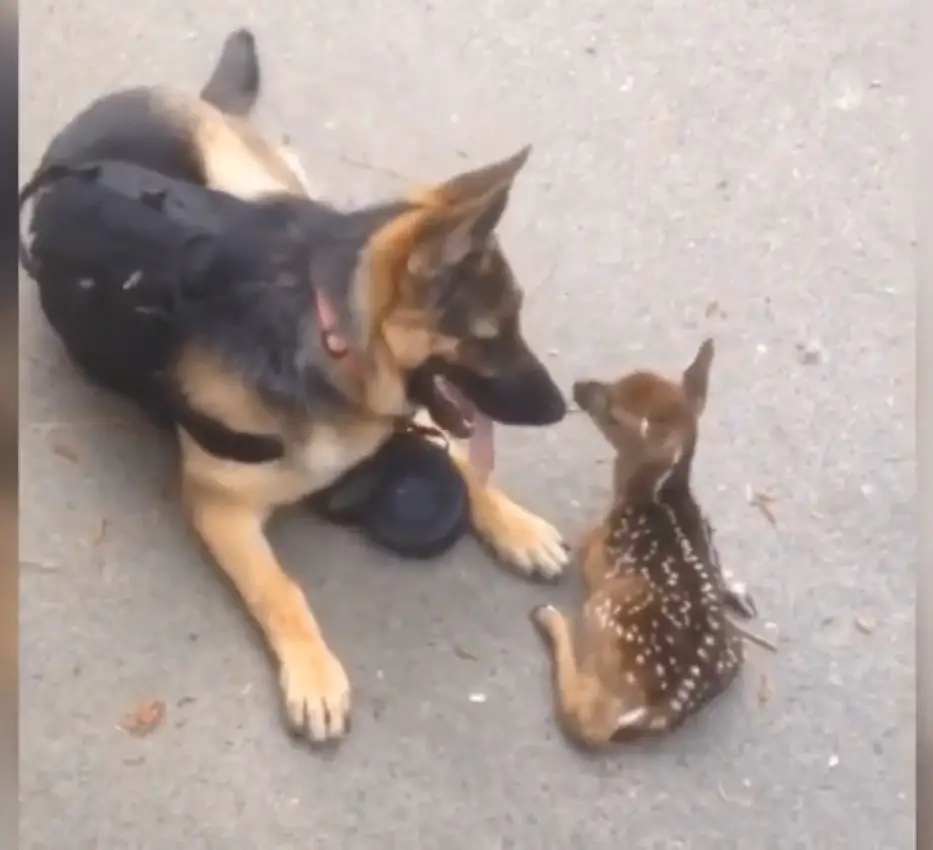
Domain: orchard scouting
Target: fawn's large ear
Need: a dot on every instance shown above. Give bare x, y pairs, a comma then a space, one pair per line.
695, 381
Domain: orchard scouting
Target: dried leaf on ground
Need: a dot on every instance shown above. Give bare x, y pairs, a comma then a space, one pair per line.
101, 536
762, 502
63, 449
144, 718
462, 653
866, 624
766, 689
809, 354
714, 310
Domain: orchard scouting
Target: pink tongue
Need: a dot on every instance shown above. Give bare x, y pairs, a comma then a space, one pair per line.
481, 446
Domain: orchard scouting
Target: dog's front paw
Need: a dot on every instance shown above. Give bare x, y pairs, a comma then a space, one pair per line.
522, 539
316, 691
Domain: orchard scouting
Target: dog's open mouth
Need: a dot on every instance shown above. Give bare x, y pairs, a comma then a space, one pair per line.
455, 408
452, 411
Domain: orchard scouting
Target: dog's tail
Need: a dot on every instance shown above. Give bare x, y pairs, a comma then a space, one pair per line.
234, 85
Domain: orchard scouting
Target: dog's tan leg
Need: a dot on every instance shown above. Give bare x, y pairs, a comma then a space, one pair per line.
519, 537
314, 685
586, 712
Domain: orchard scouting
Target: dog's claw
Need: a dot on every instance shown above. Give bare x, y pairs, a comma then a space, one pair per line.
316, 692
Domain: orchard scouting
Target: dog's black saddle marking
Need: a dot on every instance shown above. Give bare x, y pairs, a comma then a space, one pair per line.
123, 255
113, 247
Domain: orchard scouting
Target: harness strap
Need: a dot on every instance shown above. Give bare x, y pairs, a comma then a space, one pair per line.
211, 434
217, 439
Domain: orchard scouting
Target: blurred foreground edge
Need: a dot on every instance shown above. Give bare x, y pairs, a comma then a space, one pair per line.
9, 409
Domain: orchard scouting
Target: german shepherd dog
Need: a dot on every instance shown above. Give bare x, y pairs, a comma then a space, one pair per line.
417, 294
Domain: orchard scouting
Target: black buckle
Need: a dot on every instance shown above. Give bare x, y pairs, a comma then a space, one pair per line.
407, 425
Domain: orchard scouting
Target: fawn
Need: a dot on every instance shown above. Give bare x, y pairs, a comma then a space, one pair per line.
654, 644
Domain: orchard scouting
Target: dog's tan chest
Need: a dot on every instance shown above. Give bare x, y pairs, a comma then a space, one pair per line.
329, 451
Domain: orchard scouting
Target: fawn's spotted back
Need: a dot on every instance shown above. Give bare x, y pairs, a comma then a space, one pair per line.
676, 646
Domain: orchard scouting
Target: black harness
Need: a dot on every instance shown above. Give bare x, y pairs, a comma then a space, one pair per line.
121, 200
114, 247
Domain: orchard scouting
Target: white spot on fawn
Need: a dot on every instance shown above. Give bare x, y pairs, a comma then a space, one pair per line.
632, 717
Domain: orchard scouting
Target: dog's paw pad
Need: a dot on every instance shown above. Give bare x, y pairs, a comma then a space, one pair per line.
316, 692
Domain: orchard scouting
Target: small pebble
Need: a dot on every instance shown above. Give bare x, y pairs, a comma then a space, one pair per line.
810, 354
478, 698
866, 625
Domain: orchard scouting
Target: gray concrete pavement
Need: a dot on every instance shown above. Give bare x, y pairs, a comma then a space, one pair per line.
739, 168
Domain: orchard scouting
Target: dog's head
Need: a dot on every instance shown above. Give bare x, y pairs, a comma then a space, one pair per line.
446, 304
649, 420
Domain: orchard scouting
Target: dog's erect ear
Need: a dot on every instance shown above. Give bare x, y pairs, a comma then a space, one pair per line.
465, 212
451, 233
472, 185
695, 381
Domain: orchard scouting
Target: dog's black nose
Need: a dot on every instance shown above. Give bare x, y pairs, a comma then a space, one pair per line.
529, 398
553, 404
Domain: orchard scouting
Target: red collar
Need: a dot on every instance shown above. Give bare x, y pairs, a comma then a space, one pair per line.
333, 341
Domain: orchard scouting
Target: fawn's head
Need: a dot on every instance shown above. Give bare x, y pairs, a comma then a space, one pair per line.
649, 420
